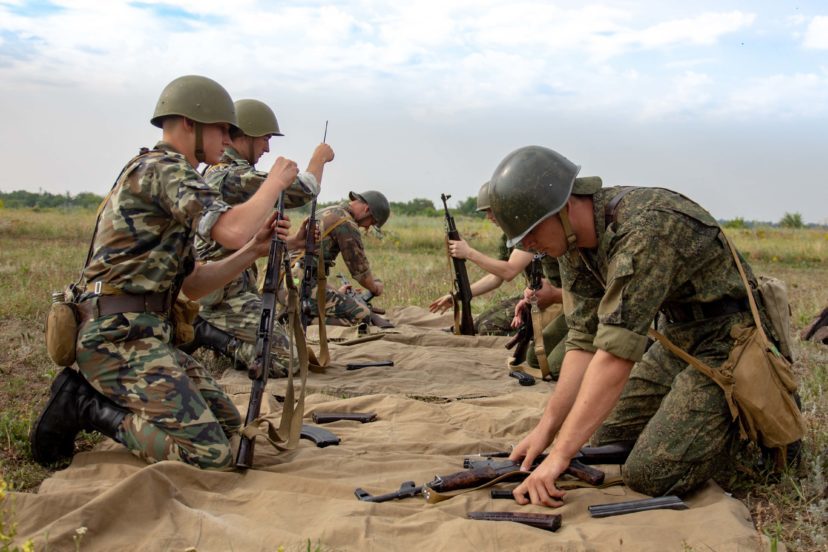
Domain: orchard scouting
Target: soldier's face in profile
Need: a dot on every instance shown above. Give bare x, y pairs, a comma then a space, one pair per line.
261, 145
215, 138
491, 217
547, 237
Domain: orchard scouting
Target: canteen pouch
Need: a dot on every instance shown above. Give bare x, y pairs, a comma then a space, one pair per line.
62, 331
184, 313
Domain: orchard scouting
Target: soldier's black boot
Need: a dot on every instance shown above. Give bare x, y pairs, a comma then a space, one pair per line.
207, 335
74, 405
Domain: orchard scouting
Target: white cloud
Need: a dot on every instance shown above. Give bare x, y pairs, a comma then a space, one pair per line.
816, 36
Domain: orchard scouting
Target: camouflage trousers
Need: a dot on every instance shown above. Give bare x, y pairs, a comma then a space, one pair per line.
677, 416
497, 320
239, 315
554, 344
350, 310
177, 411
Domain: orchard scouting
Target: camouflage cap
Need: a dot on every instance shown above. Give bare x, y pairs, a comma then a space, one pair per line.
198, 98
530, 184
256, 119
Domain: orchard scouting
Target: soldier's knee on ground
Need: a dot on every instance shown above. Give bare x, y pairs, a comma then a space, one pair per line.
655, 476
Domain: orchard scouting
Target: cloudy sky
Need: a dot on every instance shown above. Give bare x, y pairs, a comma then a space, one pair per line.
725, 101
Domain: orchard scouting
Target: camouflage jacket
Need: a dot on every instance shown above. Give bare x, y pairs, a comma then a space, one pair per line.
144, 240
236, 181
345, 238
662, 250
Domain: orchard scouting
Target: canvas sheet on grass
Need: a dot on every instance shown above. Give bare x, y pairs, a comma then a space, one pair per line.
308, 494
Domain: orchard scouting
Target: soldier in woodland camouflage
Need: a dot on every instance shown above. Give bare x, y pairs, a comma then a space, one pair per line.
133, 384
625, 255
339, 226
229, 317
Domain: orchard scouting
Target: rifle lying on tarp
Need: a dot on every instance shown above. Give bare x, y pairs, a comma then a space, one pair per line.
520, 341
365, 297
485, 469
462, 295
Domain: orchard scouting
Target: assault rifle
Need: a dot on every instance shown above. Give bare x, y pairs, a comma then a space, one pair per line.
462, 294
260, 367
309, 262
525, 333
366, 297
487, 467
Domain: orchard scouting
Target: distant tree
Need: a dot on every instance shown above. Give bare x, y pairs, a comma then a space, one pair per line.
791, 220
468, 207
417, 206
737, 223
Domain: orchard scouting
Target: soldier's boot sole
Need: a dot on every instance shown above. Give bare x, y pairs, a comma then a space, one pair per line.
52, 437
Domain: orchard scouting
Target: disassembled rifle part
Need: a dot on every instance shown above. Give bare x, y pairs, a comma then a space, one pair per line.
328, 417
522, 377
358, 365
549, 522
669, 502
320, 436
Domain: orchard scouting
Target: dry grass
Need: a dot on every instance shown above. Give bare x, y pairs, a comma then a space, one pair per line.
42, 251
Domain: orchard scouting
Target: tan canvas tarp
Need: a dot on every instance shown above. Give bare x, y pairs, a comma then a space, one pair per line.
308, 494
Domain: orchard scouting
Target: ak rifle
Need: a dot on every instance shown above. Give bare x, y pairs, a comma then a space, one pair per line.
486, 467
520, 342
462, 295
309, 265
260, 367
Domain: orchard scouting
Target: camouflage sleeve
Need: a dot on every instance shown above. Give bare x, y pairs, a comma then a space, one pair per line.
301, 191
649, 257
188, 199
353, 252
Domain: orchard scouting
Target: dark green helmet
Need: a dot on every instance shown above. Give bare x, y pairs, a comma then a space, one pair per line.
531, 184
256, 119
380, 209
483, 202
198, 98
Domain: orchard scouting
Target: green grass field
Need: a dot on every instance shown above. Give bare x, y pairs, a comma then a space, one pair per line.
43, 251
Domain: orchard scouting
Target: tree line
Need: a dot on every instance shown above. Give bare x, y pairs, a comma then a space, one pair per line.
22, 199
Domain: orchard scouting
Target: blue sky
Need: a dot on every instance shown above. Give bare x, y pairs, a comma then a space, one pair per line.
724, 101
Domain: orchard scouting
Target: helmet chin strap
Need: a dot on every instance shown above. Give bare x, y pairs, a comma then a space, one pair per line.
199, 143
250, 150
571, 239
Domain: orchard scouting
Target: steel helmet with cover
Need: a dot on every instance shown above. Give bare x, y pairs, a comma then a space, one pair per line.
377, 203
483, 202
530, 185
197, 98
256, 119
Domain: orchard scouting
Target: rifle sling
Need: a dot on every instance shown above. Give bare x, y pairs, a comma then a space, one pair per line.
540, 351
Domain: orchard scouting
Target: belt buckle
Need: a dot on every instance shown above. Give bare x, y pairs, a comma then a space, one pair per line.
98, 287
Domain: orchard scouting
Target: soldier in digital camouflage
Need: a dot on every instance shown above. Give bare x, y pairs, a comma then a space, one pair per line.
229, 317
132, 384
504, 317
626, 255
339, 230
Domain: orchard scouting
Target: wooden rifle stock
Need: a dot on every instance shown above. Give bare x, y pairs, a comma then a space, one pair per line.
260, 367
462, 288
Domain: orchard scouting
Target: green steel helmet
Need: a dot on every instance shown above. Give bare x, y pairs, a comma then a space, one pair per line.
198, 98
256, 119
483, 198
380, 209
531, 184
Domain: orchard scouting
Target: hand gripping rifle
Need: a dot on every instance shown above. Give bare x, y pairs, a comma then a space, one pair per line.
260, 366
462, 295
365, 297
520, 342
